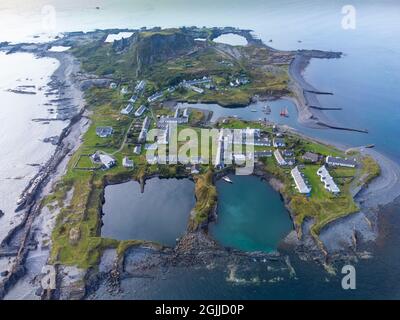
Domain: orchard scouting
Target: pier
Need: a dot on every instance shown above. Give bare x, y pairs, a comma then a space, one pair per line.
341, 128
325, 108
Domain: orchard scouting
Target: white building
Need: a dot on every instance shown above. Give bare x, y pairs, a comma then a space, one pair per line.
151, 159
124, 90
279, 142
133, 99
195, 169
143, 132
140, 86
104, 132
301, 185
137, 149
127, 110
340, 162
140, 111
164, 138
107, 161
327, 180
239, 158
127, 163
278, 156
155, 96
197, 89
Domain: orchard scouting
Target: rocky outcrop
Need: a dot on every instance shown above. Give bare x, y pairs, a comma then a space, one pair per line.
160, 47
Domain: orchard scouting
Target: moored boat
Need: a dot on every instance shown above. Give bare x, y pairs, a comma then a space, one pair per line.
227, 179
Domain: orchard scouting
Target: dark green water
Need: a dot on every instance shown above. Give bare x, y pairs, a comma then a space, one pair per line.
251, 215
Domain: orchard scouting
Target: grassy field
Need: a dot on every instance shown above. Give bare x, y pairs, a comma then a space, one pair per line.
323, 206
206, 197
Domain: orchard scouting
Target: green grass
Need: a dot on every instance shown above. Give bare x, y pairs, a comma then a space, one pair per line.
322, 205
369, 170
206, 197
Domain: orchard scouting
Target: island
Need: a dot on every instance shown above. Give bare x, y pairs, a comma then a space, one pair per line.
152, 79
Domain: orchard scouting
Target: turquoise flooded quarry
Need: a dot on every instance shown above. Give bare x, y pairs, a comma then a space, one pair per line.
158, 214
251, 215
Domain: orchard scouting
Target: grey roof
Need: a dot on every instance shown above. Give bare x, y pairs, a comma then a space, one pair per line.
342, 161
288, 153
279, 141
261, 154
104, 132
311, 156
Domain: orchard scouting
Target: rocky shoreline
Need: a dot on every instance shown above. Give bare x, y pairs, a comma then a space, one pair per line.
196, 247
310, 110
66, 85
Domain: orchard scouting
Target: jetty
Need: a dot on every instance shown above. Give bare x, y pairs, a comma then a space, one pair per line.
325, 108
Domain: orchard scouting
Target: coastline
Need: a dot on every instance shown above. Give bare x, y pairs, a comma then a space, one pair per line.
310, 110
74, 133
66, 86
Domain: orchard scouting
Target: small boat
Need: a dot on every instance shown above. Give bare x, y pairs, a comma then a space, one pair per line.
370, 146
253, 110
267, 109
227, 179
20, 200
284, 113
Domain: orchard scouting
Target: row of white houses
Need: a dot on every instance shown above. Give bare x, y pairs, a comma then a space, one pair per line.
327, 180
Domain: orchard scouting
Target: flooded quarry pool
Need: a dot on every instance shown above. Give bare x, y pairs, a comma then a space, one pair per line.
251, 215
158, 214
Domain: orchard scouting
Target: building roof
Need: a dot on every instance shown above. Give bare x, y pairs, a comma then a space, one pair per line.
301, 185
279, 141
341, 161
288, 153
126, 162
279, 158
137, 149
313, 157
128, 109
327, 180
104, 132
107, 160
140, 111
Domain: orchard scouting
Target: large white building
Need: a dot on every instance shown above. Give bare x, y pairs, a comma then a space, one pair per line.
279, 142
127, 163
143, 132
140, 111
327, 180
278, 156
301, 185
140, 86
341, 162
127, 110
107, 161
155, 96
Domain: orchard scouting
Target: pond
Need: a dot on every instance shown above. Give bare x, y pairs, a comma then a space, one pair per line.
158, 214
251, 215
